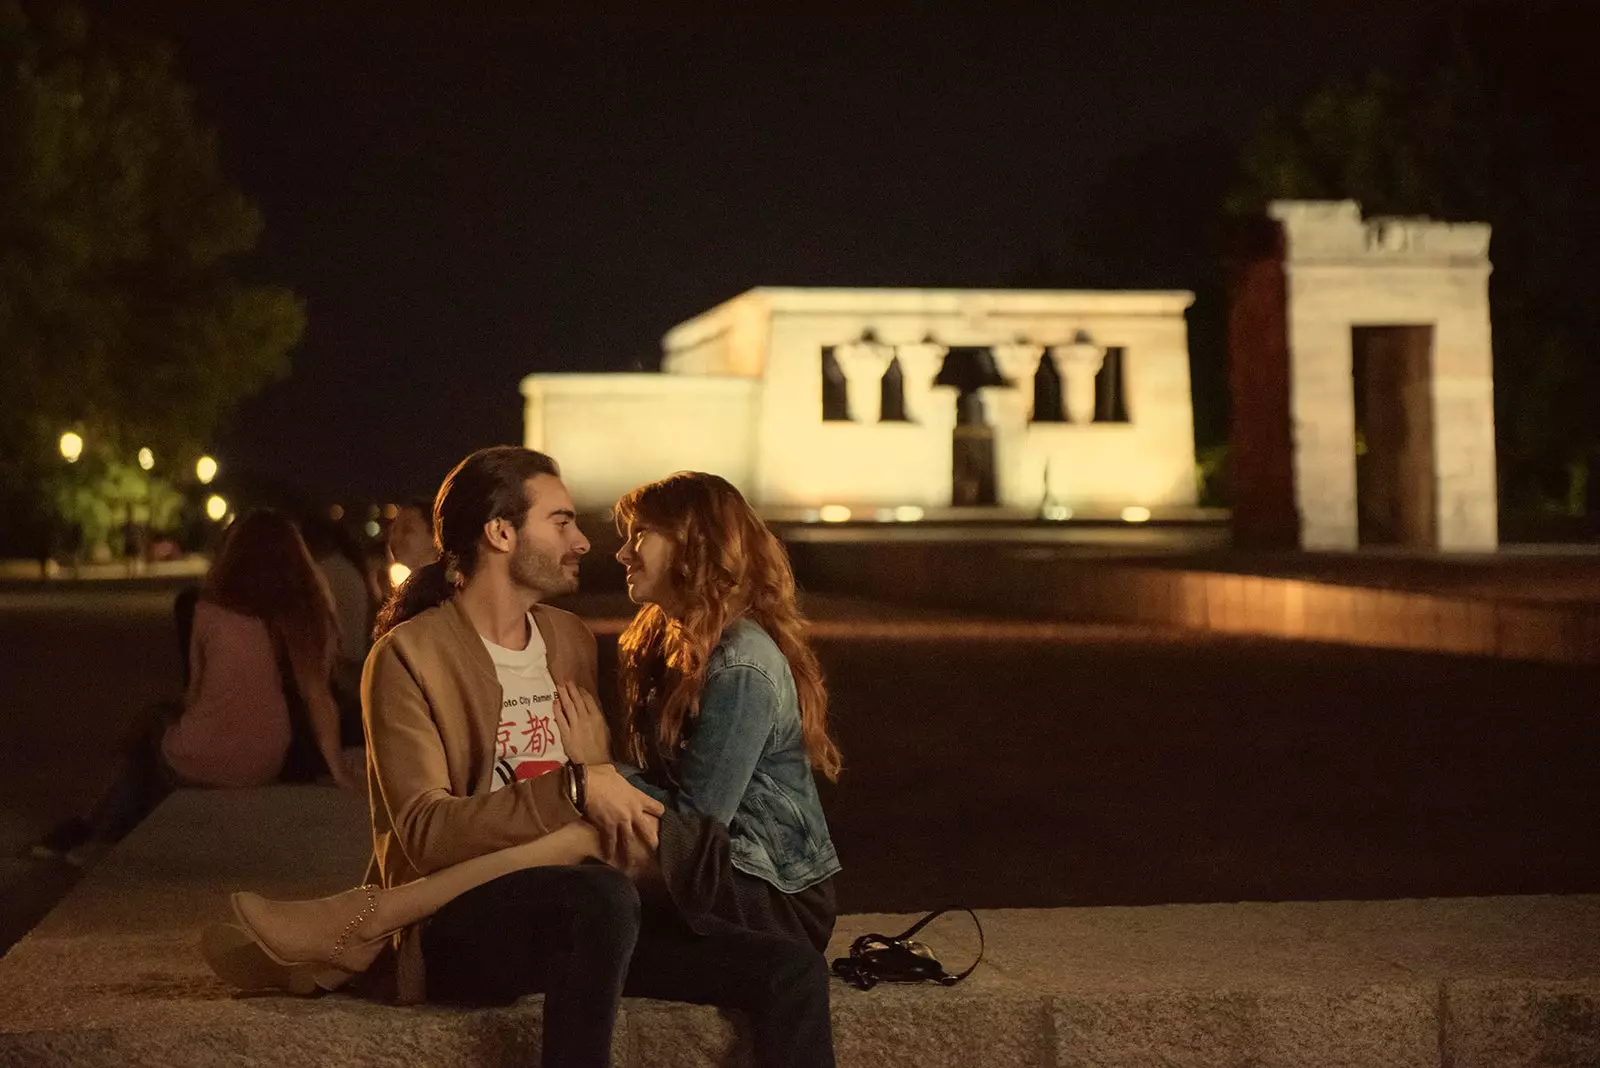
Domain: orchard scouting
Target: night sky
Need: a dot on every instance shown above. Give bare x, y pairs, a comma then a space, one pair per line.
464, 199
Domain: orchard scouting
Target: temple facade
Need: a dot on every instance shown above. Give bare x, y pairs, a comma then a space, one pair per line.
831, 397
1362, 373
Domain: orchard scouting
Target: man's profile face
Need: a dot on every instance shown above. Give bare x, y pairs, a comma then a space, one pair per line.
549, 543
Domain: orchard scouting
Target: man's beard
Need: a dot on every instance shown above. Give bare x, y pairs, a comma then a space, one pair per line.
535, 570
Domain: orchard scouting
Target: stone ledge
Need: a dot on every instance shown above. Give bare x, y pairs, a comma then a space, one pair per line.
1492, 1024
113, 977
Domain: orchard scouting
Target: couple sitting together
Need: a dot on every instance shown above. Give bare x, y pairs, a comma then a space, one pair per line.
518, 847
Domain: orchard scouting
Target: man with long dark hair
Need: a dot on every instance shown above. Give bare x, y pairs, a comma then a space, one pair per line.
464, 759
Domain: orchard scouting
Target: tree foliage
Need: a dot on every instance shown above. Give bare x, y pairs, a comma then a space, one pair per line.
121, 312
1489, 124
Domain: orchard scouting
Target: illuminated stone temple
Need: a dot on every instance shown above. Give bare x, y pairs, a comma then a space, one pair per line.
1362, 366
806, 398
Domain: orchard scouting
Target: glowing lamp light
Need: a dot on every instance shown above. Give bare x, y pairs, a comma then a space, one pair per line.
398, 573
336, 513
1135, 514
147, 459
71, 447
1057, 512
908, 513
390, 511
205, 469
833, 513
216, 507
371, 528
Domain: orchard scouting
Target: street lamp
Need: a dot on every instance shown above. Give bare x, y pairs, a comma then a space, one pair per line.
205, 469
71, 447
147, 459
216, 507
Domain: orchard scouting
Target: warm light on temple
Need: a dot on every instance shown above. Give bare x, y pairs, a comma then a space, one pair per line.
398, 573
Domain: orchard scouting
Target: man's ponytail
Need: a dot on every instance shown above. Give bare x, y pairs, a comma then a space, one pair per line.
427, 586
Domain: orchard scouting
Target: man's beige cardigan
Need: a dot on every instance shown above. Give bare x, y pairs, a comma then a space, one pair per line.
431, 703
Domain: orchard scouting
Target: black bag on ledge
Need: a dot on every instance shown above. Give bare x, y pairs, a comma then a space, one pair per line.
876, 958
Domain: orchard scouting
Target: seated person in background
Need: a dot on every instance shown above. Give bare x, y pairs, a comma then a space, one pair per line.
258, 705
410, 540
355, 603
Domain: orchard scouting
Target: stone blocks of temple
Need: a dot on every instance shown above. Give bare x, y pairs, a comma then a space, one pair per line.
742, 394
1337, 321
803, 459
612, 432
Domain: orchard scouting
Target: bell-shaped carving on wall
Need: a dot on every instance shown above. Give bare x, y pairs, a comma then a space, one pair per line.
920, 363
1077, 364
863, 364
1017, 363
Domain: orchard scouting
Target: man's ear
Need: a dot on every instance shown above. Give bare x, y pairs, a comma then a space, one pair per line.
499, 534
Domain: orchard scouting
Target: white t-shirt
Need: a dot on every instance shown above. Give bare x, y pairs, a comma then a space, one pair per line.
528, 741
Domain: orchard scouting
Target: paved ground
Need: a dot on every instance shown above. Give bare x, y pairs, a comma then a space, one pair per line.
1021, 764
76, 662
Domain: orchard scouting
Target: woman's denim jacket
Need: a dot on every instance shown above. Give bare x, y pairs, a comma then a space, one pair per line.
745, 765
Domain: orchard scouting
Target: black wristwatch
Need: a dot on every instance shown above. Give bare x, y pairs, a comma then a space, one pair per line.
578, 786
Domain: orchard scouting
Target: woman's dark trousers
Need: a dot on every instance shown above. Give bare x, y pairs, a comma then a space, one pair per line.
573, 933
781, 983
566, 932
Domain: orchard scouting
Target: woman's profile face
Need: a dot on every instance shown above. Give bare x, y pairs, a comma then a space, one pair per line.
647, 555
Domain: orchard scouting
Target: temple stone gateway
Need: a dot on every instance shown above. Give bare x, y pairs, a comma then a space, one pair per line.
816, 397
1362, 380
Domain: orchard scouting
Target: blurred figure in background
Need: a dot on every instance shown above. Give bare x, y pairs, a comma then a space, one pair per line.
258, 705
356, 594
411, 544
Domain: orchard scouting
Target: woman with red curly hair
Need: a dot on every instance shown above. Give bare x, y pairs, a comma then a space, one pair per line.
723, 720
724, 710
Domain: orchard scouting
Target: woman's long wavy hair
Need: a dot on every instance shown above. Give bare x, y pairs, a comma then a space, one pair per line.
490, 484
726, 565
264, 570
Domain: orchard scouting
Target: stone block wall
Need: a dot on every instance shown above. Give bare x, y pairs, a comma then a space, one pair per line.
1297, 299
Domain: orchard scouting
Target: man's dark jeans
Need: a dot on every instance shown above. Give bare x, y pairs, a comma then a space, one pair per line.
574, 934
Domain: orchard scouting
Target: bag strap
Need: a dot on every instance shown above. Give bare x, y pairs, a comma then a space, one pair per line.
946, 978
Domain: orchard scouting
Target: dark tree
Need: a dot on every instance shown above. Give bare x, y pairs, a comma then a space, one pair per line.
122, 314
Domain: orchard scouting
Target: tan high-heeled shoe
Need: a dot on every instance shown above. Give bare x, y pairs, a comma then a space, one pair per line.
240, 957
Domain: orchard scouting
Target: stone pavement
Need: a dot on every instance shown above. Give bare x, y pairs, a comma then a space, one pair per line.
112, 977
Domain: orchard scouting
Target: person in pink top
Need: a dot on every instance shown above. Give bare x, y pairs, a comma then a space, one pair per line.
258, 706
265, 634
